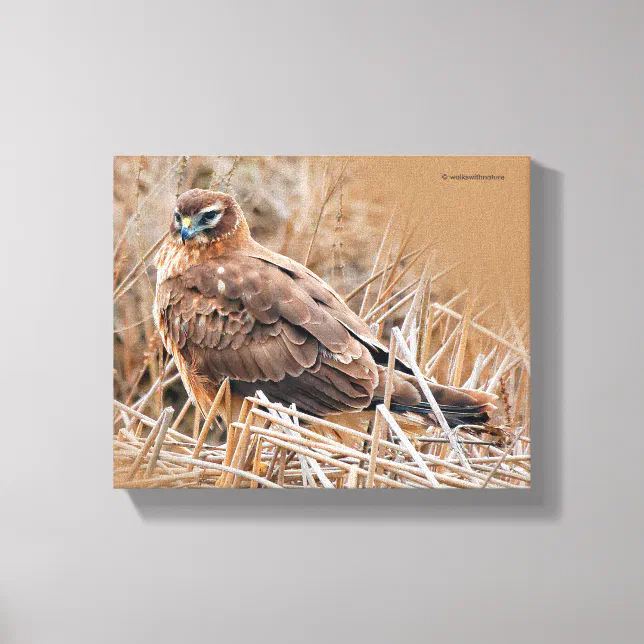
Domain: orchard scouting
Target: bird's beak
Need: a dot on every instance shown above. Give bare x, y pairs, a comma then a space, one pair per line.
187, 231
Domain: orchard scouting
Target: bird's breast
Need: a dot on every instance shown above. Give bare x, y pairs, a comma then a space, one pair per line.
174, 259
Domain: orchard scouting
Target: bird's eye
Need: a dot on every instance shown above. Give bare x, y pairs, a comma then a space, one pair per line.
177, 217
209, 216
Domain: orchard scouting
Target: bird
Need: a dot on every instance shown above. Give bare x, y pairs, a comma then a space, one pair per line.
227, 307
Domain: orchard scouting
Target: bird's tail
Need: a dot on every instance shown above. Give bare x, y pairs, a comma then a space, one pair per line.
459, 406
464, 415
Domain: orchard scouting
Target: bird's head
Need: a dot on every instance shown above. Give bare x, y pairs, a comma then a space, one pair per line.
204, 217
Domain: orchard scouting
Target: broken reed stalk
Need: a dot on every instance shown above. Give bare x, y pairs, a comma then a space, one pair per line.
403, 245
430, 398
166, 418
426, 343
257, 461
307, 464
395, 308
143, 452
460, 355
241, 450
518, 336
482, 329
338, 247
404, 301
373, 312
382, 298
500, 462
385, 275
208, 421
409, 323
377, 431
376, 263
231, 440
395, 427
374, 277
391, 366
159, 382
327, 197
234, 457
442, 317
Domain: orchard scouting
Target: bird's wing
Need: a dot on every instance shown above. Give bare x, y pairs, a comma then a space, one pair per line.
318, 289
405, 389
252, 320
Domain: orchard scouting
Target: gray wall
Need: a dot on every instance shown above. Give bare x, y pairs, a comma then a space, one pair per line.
560, 81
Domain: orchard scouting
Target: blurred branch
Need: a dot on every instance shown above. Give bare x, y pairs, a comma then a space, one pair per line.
329, 193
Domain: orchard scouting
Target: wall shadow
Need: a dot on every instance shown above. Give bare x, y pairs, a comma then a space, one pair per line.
542, 502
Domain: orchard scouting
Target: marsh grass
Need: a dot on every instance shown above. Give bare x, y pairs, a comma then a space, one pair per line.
309, 210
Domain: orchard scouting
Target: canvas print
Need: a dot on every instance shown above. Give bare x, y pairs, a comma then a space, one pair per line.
321, 322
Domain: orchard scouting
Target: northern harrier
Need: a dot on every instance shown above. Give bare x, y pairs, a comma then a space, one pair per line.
227, 306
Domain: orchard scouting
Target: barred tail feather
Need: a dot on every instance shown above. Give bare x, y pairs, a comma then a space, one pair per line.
459, 406
464, 415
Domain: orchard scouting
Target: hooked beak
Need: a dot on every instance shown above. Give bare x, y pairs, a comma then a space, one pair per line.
187, 231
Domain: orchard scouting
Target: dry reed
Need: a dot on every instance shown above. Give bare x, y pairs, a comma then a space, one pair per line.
458, 339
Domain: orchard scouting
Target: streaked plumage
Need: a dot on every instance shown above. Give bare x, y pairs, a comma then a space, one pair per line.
227, 306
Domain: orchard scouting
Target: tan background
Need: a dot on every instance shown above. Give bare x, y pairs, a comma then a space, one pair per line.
485, 224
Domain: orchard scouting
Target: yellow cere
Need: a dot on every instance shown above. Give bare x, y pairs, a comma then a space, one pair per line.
186, 222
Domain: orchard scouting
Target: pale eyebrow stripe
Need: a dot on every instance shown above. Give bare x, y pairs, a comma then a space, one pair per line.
215, 206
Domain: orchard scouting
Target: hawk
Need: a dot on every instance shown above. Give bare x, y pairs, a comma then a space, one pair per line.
225, 306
